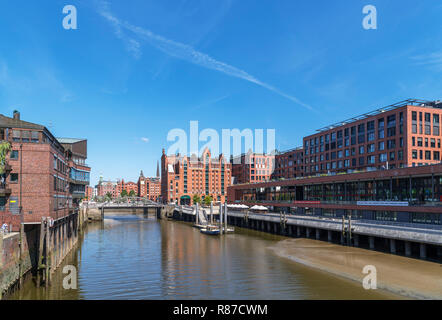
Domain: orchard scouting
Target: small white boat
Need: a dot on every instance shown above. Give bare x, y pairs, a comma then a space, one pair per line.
210, 230
199, 226
229, 230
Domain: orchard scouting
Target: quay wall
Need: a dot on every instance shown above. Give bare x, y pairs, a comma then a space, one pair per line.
41, 252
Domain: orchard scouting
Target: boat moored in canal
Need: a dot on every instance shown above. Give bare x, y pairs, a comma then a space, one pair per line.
211, 230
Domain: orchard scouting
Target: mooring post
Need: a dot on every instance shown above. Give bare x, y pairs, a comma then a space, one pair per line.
197, 213
343, 230
40, 250
48, 255
220, 210
221, 219
225, 216
211, 213
349, 236
22, 248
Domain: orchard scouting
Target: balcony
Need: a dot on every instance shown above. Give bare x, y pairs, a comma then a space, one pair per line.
4, 191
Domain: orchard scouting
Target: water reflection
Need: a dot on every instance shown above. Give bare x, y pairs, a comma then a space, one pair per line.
132, 257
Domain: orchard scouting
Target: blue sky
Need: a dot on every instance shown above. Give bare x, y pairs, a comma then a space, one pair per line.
133, 70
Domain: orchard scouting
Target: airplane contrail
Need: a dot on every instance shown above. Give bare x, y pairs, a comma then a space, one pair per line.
186, 52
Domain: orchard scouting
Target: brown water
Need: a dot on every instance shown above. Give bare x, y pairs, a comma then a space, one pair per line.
130, 257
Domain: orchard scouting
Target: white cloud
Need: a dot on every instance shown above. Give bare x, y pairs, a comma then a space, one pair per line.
185, 52
145, 139
433, 60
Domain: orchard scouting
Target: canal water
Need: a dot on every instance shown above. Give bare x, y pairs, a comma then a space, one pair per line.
134, 257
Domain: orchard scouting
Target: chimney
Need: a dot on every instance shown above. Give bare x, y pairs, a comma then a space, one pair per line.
16, 115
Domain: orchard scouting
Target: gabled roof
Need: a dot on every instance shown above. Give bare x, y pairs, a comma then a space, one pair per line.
6, 122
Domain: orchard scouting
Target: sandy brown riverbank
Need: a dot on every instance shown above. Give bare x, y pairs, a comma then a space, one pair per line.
405, 276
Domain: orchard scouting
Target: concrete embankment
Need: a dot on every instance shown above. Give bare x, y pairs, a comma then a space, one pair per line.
408, 277
38, 249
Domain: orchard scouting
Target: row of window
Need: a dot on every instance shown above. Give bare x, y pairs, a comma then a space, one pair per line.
348, 135
427, 154
371, 148
428, 142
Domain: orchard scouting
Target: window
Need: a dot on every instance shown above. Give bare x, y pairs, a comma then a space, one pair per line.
391, 121
414, 128
34, 136
427, 129
414, 116
371, 160
414, 154
361, 150
16, 135
381, 146
436, 124
382, 157
419, 142
391, 144
427, 155
26, 136
391, 132
14, 177
392, 154
2, 203
436, 155
370, 148
14, 154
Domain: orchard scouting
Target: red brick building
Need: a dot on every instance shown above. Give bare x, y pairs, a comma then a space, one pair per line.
182, 177
149, 187
90, 192
252, 167
128, 186
36, 182
289, 164
405, 134
106, 187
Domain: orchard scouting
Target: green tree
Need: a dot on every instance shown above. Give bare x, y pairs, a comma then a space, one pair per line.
196, 199
132, 193
124, 193
5, 147
208, 200
109, 195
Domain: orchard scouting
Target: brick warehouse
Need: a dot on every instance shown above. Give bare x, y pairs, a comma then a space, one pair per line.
40, 190
183, 176
404, 134
400, 135
149, 187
